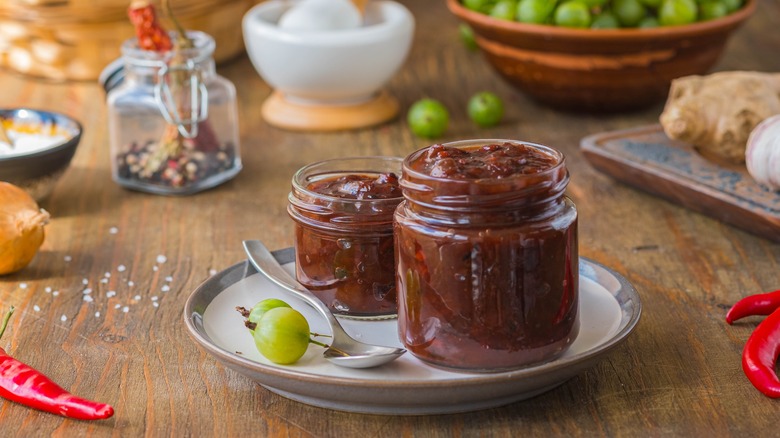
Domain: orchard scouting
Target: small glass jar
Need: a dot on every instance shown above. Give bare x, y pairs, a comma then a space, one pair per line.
173, 121
487, 255
343, 214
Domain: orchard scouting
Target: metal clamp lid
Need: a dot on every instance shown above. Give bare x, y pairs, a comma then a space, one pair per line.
198, 96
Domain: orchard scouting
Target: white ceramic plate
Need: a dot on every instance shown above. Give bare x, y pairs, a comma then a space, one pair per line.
609, 311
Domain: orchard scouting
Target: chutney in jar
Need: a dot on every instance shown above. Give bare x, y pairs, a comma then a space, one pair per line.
486, 250
344, 252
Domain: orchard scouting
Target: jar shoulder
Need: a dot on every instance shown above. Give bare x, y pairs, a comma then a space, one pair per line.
561, 216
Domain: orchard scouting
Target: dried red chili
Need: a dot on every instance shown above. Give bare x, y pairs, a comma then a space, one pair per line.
759, 304
759, 357
151, 36
23, 384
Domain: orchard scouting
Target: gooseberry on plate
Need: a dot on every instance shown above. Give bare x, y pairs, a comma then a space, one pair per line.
282, 335
262, 307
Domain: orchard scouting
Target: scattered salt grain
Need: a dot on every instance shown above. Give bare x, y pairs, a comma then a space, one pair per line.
117, 306
36, 308
212, 271
156, 304
155, 268
161, 259
113, 230
48, 290
63, 318
97, 314
169, 279
67, 258
84, 281
107, 275
154, 298
165, 288
125, 309
110, 293
104, 281
87, 291
23, 285
88, 298
121, 268
131, 283
55, 293
137, 298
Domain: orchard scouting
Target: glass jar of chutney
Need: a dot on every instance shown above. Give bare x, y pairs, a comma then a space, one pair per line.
486, 246
343, 213
173, 121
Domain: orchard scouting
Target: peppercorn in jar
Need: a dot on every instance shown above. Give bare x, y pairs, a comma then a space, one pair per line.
173, 121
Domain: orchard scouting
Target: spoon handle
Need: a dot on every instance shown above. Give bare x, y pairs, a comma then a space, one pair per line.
262, 259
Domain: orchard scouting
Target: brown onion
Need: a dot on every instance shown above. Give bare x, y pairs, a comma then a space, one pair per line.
21, 228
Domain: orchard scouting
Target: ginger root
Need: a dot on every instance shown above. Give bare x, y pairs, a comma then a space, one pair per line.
716, 113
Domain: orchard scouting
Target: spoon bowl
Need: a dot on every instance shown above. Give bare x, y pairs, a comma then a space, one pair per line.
344, 350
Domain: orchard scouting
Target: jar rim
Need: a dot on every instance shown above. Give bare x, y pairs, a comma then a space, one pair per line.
204, 49
302, 177
462, 144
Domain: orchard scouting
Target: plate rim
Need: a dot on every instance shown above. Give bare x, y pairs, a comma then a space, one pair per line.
286, 255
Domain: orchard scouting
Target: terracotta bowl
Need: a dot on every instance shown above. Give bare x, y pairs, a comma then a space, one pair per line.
598, 70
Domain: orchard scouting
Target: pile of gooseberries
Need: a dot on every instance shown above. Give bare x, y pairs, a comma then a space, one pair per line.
429, 118
281, 333
605, 14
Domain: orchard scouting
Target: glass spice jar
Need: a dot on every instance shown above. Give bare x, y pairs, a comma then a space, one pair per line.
486, 246
343, 214
173, 121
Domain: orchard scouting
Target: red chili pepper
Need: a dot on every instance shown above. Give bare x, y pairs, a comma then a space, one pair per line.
759, 304
23, 384
151, 36
759, 357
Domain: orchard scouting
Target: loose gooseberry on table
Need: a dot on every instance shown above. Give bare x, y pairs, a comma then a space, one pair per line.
485, 109
467, 36
428, 118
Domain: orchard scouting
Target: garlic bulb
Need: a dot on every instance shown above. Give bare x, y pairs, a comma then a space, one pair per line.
763, 153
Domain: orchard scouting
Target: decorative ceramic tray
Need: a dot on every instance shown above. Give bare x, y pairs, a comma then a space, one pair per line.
609, 311
647, 159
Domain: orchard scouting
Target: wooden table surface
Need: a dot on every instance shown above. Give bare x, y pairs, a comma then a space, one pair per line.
679, 373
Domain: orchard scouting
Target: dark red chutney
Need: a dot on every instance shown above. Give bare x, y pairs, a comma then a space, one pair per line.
381, 186
344, 238
486, 246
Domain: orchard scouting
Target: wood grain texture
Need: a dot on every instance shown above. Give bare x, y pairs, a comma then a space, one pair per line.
647, 159
678, 374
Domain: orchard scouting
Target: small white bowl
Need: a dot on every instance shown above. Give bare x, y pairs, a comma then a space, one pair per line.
338, 67
37, 171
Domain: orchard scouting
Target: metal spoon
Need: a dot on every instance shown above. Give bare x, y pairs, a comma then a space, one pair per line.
344, 350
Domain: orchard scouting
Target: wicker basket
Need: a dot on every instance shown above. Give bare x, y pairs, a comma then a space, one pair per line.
76, 39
